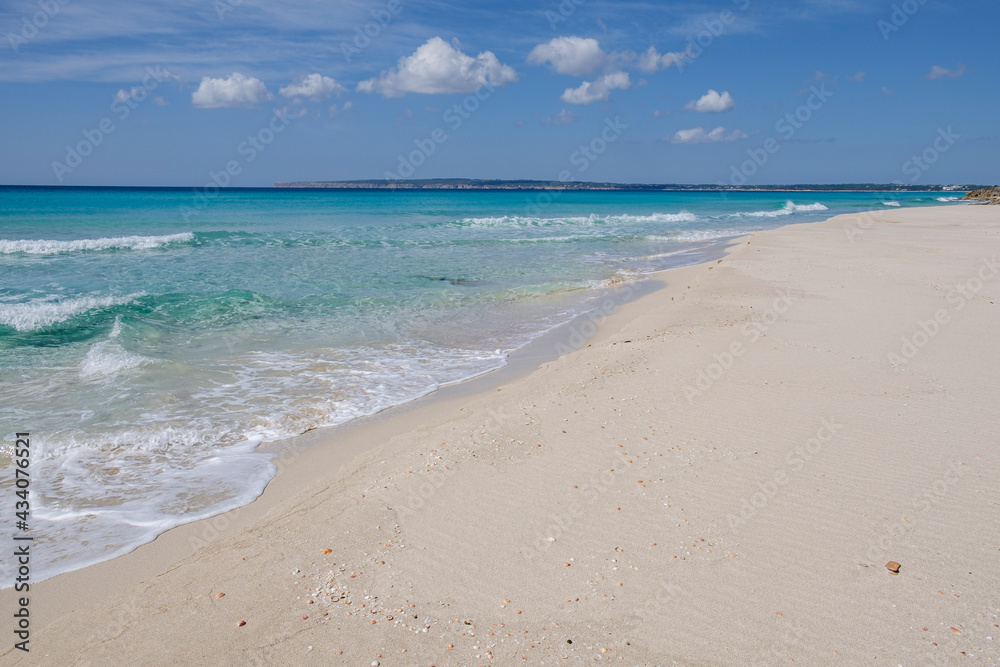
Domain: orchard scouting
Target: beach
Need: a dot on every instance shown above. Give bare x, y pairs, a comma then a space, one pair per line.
714, 472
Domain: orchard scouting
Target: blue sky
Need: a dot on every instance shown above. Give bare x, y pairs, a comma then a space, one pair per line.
107, 92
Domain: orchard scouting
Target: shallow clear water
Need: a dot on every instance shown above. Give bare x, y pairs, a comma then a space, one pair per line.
151, 339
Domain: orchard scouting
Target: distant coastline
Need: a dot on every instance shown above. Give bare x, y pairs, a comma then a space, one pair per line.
485, 184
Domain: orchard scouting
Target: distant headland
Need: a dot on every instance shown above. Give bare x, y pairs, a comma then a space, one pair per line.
487, 184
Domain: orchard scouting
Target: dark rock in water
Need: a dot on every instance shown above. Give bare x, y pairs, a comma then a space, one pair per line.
454, 281
986, 195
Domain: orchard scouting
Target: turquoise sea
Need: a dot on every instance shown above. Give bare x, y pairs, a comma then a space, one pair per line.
150, 339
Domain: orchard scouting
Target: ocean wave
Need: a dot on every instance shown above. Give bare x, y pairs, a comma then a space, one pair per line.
41, 313
593, 219
696, 235
789, 208
104, 483
108, 358
891, 203
949, 198
683, 216
45, 247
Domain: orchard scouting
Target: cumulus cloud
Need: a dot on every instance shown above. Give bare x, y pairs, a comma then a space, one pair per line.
938, 72
238, 90
651, 60
698, 135
314, 86
712, 102
437, 67
579, 56
598, 90
575, 56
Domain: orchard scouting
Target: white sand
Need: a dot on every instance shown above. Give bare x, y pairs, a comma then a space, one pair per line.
725, 471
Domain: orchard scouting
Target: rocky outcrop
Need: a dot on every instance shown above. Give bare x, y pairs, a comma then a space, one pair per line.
987, 195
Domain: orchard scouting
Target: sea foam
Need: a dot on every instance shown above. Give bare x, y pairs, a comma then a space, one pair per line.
46, 247
593, 219
790, 208
40, 313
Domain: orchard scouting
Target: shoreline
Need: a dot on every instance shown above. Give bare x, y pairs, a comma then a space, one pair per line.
540, 348
522, 361
306, 480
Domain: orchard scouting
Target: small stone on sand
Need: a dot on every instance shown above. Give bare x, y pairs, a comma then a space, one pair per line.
892, 566
219, 595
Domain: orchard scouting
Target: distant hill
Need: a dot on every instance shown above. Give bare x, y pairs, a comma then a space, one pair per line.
485, 184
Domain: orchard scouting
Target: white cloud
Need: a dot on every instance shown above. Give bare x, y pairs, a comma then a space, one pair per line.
938, 72
334, 111
698, 135
437, 67
238, 90
650, 61
125, 95
313, 86
589, 92
575, 56
712, 102
858, 78
564, 117
140, 93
